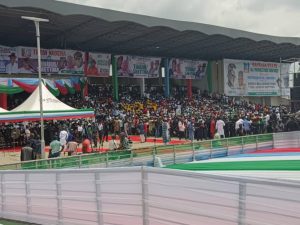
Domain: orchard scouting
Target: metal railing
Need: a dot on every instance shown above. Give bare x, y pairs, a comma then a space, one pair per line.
143, 196
169, 154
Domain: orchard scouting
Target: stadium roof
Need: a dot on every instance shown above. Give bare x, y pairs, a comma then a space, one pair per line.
94, 29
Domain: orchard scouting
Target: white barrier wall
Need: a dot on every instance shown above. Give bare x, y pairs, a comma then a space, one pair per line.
286, 140
146, 196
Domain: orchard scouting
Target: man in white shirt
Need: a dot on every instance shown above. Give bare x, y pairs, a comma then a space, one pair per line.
63, 136
12, 66
220, 127
239, 126
26, 66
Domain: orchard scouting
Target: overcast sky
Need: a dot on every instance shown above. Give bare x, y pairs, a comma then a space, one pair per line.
273, 17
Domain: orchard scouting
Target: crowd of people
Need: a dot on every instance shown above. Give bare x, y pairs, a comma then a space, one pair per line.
198, 118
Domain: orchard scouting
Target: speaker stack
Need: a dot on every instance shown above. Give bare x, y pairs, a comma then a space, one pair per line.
295, 93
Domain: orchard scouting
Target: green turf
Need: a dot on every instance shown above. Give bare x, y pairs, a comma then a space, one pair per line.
248, 165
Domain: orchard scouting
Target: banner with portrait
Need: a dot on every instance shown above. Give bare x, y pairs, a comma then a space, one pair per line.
69, 62
98, 65
28, 61
137, 67
251, 78
187, 69
284, 80
53, 61
8, 60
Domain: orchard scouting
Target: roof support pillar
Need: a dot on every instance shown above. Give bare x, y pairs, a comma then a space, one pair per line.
189, 88
115, 82
209, 77
167, 79
3, 101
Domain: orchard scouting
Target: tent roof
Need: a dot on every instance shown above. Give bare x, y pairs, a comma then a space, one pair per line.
50, 103
95, 29
52, 107
2, 110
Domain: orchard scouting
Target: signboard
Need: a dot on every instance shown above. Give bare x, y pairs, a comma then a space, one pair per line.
251, 78
8, 60
67, 62
98, 65
284, 80
136, 66
187, 69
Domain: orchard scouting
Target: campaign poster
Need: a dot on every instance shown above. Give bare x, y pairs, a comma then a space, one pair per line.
187, 69
137, 67
69, 62
98, 65
8, 60
284, 80
251, 78
53, 61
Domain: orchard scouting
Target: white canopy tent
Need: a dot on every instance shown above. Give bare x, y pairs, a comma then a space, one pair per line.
52, 107
3, 110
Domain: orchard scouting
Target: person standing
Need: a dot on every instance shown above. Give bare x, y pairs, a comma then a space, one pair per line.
116, 126
220, 127
106, 130
26, 152
141, 130
181, 129
112, 145
80, 131
126, 127
212, 128
146, 129
165, 131
63, 136
124, 142
72, 147
101, 132
95, 135
239, 127
246, 126
86, 146
12, 66
191, 129
55, 148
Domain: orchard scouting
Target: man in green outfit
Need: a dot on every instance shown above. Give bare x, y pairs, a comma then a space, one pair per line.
55, 148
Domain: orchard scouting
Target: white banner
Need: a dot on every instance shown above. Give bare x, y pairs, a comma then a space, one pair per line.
136, 66
251, 78
187, 69
69, 62
284, 80
98, 65
8, 60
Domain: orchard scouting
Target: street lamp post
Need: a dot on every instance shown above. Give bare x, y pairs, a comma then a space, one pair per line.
37, 27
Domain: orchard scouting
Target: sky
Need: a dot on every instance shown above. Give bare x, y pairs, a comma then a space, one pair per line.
273, 17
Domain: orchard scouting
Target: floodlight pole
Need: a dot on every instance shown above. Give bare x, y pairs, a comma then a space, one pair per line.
37, 27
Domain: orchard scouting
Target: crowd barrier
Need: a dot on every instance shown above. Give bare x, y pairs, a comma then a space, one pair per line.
168, 154
146, 196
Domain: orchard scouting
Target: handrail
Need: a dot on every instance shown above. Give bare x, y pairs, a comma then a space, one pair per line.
155, 150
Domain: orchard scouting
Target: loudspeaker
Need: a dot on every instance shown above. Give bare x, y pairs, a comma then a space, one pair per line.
295, 93
297, 80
